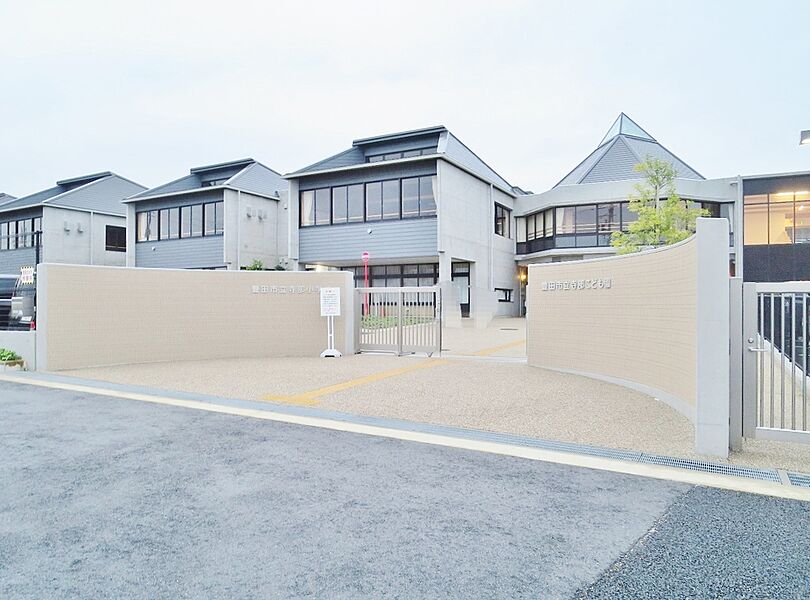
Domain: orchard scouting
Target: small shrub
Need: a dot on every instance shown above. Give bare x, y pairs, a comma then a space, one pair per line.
6, 355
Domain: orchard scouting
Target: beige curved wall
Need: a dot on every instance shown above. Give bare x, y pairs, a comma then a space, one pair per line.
641, 329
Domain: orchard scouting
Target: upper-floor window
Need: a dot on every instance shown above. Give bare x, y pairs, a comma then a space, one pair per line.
374, 201
503, 216
193, 220
115, 238
20, 233
372, 158
780, 218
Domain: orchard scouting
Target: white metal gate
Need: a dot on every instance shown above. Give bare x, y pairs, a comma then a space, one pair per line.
776, 386
404, 320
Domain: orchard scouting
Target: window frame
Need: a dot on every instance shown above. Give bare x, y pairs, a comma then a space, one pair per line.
118, 230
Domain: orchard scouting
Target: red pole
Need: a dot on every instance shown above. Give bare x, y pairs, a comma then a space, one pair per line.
365, 274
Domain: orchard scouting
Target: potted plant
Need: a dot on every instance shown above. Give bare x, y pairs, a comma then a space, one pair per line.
9, 358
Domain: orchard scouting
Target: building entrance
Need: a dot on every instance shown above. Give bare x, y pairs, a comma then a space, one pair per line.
460, 274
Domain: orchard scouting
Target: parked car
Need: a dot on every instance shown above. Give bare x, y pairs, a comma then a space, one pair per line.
17, 304
8, 283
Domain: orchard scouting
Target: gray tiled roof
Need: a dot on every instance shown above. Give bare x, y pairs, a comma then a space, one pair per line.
445, 142
101, 192
625, 145
6, 197
244, 174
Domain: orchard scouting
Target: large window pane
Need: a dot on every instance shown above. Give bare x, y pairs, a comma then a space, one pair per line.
609, 217
339, 205
503, 216
140, 227
427, 200
3, 236
220, 223
185, 221
780, 221
323, 207
628, 216
586, 225
12, 235
373, 201
210, 215
565, 220
356, 208
801, 228
531, 227
410, 197
390, 191
520, 224
174, 223
307, 209
196, 220
548, 218
24, 233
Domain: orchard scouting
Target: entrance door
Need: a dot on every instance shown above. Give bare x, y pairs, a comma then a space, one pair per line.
460, 274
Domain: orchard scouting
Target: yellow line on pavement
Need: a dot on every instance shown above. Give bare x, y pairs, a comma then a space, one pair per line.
494, 349
309, 398
727, 482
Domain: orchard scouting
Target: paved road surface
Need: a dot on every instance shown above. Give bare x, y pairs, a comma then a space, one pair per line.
108, 498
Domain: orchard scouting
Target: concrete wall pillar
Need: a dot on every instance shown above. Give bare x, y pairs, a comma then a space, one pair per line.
712, 320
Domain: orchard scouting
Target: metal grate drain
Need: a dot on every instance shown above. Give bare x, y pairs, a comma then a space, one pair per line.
509, 328
707, 467
799, 479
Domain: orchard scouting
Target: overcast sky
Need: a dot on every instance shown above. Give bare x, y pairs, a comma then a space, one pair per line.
150, 90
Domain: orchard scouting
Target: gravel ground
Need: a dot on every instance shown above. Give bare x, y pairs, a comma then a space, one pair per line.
108, 498
732, 545
476, 393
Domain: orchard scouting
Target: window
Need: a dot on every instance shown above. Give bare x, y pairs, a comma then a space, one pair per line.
566, 217
169, 223
196, 220
390, 199
323, 208
12, 235
586, 225
427, 201
374, 201
24, 234
185, 221
356, 204
548, 217
520, 224
502, 218
410, 197
504, 295
3, 236
307, 209
146, 226
531, 226
340, 212
214, 218
628, 216
116, 238
397, 155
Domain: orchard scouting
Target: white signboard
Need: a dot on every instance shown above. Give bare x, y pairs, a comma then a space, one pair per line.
26, 275
330, 301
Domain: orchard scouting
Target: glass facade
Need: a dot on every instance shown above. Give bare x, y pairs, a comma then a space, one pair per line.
582, 226
193, 220
778, 218
390, 199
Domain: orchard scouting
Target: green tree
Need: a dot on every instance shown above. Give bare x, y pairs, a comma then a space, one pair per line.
663, 218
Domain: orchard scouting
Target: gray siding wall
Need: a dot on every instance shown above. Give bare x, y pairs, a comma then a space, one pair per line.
186, 253
388, 239
12, 260
374, 172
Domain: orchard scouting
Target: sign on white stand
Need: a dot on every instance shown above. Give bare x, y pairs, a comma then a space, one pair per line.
330, 308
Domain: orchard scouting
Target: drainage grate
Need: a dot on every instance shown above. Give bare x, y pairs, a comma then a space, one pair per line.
799, 479
556, 446
509, 328
707, 467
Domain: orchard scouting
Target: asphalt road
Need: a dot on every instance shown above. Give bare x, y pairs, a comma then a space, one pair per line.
107, 498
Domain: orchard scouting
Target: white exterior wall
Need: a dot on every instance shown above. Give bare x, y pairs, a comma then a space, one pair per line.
466, 217
82, 242
249, 238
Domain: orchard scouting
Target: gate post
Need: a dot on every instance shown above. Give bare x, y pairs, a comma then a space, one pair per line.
735, 387
399, 322
750, 339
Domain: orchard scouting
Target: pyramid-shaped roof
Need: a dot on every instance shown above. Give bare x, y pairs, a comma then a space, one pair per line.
624, 146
